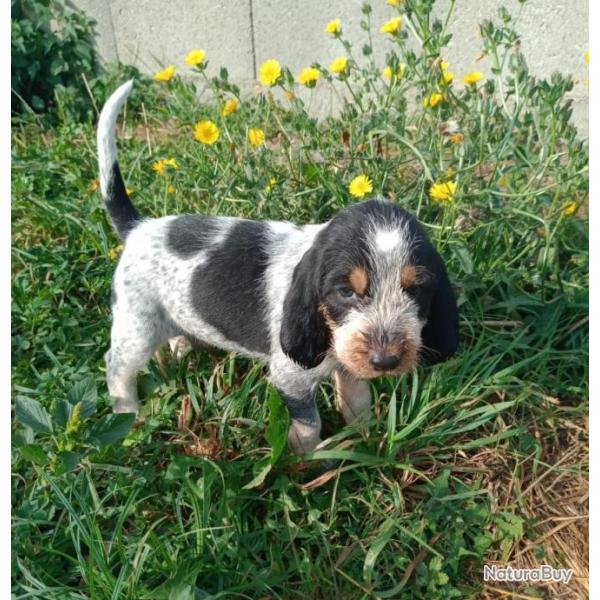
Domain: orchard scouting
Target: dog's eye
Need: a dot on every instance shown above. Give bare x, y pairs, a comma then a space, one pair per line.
346, 292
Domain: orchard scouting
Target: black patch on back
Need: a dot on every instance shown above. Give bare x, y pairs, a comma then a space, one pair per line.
228, 291
189, 234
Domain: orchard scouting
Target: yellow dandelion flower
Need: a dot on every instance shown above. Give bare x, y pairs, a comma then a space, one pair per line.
269, 72
256, 137
360, 186
504, 181
444, 65
457, 138
570, 209
206, 132
433, 100
166, 74
333, 27
389, 74
447, 77
129, 191
339, 64
443, 191
229, 107
195, 57
171, 189
309, 76
159, 167
394, 2
114, 252
586, 57
269, 186
472, 78
391, 26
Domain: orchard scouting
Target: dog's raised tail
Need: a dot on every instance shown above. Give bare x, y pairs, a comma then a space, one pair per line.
122, 212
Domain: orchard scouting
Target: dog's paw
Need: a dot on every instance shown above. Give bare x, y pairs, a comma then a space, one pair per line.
123, 406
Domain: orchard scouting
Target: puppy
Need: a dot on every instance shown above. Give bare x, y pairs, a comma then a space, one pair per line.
360, 296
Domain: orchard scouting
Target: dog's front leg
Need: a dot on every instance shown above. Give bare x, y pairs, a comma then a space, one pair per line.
304, 433
352, 396
298, 389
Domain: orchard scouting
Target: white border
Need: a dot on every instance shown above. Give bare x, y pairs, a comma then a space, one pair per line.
594, 15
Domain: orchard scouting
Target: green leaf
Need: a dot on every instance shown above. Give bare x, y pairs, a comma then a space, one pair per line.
84, 391
22, 437
511, 525
35, 453
385, 534
179, 467
37, 103
262, 469
62, 412
277, 429
310, 172
111, 428
32, 414
148, 383
69, 460
180, 586
350, 455
464, 257
391, 422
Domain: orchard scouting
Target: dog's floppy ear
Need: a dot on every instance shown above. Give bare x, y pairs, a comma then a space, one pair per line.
440, 334
304, 335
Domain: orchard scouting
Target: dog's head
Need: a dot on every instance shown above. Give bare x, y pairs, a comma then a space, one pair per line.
373, 290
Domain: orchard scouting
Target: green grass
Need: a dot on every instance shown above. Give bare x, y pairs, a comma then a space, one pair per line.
465, 463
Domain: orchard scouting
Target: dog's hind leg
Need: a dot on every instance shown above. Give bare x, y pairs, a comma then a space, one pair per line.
134, 338
180, 346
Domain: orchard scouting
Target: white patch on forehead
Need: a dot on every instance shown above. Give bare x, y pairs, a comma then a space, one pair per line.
387, 240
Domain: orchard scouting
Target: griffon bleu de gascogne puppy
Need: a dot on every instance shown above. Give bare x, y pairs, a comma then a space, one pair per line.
363, 295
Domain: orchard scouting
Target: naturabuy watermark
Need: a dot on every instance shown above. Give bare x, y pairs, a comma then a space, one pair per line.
541, 574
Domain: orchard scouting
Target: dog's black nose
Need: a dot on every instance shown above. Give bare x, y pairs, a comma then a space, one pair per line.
381, 361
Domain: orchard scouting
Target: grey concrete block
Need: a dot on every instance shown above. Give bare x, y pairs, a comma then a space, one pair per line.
240, 35
154, 34
554, 34
293, 31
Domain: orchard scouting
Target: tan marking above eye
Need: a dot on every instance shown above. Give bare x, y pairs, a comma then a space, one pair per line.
359, 280
413, 275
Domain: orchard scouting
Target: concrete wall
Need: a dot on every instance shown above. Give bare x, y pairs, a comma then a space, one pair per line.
241, 34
